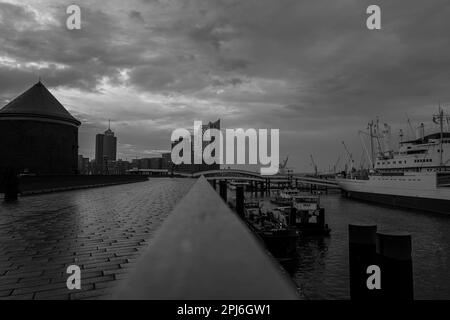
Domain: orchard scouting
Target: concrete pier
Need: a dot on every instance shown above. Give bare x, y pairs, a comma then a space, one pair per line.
204, 251
101, 230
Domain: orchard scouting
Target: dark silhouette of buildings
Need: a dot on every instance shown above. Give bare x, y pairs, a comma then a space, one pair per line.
192, 167
83, 165
38, 135
156, 163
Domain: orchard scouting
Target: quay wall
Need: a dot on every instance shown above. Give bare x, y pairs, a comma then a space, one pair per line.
30, 185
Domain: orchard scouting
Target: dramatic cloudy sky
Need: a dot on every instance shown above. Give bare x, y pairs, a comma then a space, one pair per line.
310, 68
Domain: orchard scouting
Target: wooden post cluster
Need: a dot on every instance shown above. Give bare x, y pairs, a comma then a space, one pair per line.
380, 264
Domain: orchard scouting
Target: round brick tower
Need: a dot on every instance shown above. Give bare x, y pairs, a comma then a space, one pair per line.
38, 135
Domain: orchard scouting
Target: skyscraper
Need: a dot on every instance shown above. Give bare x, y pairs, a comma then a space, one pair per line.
105, 149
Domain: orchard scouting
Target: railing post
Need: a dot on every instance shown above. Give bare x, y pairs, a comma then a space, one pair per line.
293, 217
240, 201
321, 218
362, 254
223, 189
394, 252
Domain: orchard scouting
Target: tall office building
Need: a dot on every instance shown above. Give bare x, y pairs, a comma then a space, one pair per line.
105, 150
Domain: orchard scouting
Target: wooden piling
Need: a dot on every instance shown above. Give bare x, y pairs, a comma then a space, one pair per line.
223, 189
293, 217
362, 254
321, 218
240, 201
395, 261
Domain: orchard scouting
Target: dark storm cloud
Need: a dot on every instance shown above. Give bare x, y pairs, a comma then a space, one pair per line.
79, 55
136, 15
307, 67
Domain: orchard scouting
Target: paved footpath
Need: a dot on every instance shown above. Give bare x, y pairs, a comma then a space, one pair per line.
102, 230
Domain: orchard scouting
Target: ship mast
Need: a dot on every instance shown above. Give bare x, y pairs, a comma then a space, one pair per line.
371, 143
439, 119
377, 136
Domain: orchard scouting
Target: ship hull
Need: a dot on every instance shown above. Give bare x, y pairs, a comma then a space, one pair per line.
400, 201
412, 190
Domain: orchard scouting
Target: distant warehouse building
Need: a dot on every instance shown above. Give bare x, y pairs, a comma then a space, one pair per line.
38, 135
156, 163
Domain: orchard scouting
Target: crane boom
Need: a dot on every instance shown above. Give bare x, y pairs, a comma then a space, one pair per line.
314, 164
337, 163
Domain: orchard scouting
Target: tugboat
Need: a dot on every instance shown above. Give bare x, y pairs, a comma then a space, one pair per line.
308, 217
272, 228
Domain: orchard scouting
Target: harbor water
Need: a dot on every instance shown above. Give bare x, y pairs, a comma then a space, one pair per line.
321, 270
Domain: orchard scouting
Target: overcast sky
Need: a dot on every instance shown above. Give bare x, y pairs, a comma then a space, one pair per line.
309, 68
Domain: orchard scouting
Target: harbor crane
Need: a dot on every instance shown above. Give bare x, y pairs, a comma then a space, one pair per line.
336, 164
313, 163
283, 166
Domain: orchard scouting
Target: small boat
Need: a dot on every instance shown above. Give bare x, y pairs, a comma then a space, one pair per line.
285, 197
282, 243
272, 228
309, 216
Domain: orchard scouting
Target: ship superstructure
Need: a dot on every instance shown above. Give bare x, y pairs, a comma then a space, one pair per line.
416, 176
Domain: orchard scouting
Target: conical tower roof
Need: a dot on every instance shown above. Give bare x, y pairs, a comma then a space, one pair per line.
37, 102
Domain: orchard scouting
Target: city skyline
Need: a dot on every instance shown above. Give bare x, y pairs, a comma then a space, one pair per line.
312, 70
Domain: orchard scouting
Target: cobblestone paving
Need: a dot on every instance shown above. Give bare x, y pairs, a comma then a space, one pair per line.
102, 230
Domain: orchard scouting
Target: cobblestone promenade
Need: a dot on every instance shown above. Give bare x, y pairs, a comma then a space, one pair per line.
102, 230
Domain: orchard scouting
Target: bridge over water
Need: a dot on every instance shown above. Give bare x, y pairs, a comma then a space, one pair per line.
250, 177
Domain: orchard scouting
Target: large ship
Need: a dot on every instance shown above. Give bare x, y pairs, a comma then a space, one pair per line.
416, 176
